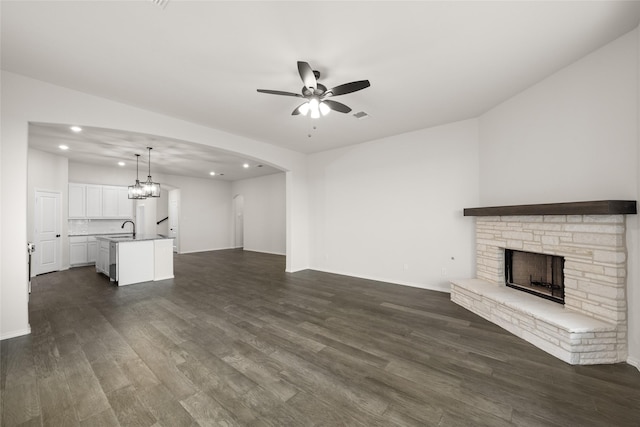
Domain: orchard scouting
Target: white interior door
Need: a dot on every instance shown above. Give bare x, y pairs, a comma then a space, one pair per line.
174, 219
47, 232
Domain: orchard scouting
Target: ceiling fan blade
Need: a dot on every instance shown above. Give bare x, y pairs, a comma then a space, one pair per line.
349, 87
337, 106
307, 76
279, 92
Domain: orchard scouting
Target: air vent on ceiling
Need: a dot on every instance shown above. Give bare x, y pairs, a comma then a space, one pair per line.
360, 115
161, 3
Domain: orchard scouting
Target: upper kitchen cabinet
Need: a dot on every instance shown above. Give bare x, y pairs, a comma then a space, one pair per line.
89, 201
94, 201
77, 201
125, 205
109, 201
115, 202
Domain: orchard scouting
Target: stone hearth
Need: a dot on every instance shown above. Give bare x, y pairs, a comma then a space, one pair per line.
591, 328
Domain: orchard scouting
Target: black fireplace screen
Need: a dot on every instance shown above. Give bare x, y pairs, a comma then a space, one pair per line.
538, 274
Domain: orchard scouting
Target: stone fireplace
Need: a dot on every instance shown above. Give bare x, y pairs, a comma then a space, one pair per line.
589, 238
538, 274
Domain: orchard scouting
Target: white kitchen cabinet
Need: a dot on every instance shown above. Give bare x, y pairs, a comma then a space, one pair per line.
82, 250
77, 250
125, 205
102, 264
91, 201
109, 201
77, 201
94, 201
92, 250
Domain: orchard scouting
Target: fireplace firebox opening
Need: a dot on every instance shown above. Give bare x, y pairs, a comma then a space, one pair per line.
538, 274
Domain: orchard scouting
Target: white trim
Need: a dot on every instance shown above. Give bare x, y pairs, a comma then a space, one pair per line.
15, 334
634, 362
446, 287
263, 252
204, 250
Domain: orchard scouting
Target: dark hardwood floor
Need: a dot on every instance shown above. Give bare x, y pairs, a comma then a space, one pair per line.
233, 340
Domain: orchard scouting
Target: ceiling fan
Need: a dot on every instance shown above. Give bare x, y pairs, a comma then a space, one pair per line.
316, 94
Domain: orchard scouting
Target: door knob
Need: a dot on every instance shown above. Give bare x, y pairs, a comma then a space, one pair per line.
57, 235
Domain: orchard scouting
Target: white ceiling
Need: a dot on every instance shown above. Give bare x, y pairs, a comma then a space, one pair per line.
107, 147
428, 62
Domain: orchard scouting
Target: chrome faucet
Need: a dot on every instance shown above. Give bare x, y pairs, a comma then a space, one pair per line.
134, 227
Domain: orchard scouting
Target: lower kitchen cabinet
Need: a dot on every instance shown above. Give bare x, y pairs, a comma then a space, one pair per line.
83, 250
92, 250
102, 263
78, 251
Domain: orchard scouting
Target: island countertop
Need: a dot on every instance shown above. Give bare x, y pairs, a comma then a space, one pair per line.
129, 237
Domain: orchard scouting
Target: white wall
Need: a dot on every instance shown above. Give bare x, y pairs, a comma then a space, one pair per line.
101, 175
391, 209
633, 245
48, 172
205, 213
264, 212
572, 137
27, 100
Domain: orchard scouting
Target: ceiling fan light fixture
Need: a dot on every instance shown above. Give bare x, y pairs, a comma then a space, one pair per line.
314, 108
315, 93
304, 109
324, 108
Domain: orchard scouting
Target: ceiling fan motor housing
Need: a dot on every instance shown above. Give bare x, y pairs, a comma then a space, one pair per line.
319, 91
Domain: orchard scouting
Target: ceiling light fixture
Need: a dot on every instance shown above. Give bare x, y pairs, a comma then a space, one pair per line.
76, 128
246, 165
315, 107
120, 163
136, 191
151, 189
212, 173
63, 147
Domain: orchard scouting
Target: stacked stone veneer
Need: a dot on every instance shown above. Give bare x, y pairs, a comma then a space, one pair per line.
595, 284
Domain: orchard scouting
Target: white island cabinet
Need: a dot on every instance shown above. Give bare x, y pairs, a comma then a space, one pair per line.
132, 260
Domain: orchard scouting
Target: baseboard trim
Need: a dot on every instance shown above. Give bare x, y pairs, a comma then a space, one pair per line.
15, 334
205, 250
634, 362
264, 252
439, 288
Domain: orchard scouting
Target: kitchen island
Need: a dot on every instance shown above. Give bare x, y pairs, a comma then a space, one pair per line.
129, 259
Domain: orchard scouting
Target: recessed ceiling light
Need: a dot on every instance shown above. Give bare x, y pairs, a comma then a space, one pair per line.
120, 163
212, 173
63, 147
76, 128
246, 165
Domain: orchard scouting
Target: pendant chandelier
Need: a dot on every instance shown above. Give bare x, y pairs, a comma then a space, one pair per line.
151, 189
136, 191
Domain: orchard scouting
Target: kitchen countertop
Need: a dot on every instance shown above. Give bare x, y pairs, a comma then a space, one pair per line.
96, 234
120, 238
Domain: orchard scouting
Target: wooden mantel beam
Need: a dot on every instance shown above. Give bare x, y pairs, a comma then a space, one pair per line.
601, 207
